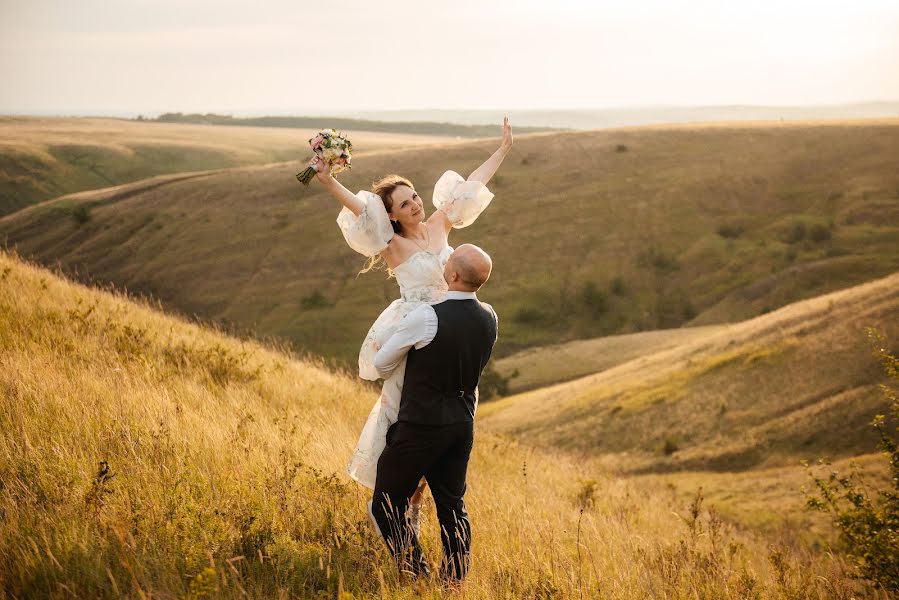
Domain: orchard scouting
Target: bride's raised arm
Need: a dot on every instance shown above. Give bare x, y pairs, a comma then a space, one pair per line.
337, 189
488, 169
363, 221
460, 201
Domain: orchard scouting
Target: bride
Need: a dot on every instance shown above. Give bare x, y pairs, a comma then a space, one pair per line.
388, 224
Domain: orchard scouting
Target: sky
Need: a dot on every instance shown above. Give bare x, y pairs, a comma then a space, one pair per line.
290, 57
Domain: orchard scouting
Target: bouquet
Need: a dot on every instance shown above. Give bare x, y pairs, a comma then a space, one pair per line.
335, 151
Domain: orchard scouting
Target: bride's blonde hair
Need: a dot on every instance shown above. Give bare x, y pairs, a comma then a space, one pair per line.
383, 187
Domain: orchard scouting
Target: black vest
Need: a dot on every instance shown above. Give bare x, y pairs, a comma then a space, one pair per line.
441, 378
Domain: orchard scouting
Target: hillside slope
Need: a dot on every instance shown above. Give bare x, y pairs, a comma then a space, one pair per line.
798, 383
592, 233
45, 157
545, 365
145, 456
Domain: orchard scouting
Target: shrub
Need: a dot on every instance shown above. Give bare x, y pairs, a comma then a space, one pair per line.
493, 385
81, 214
617, 286
670, 446
594, 299
620, 148
868, 518
795, 233
527, 314
658, 260
819, 233
688, 311
730, 231
315, 300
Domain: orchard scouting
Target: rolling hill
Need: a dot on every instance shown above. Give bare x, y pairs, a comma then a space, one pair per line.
731, 409
146, 456
545, 365
41, 158
797, 383
592, 233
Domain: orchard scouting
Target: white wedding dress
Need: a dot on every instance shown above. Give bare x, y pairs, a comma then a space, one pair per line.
420, 279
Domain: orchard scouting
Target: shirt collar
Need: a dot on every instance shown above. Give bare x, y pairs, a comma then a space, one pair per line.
457, 295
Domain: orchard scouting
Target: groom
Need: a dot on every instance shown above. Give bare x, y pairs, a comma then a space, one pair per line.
448, 345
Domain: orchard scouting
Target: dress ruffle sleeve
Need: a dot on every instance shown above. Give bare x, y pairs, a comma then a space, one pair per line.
461, 200
370, 232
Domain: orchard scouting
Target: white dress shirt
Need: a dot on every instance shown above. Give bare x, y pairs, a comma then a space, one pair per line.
417, 329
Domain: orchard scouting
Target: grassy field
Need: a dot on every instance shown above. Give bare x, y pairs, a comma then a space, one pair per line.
592, 233
769, 500
798, 383
41, 158
143, 456
545, 365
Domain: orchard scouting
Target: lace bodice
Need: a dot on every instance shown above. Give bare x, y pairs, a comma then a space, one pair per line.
421, 276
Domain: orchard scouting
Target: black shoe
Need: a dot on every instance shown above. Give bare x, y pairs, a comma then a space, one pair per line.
452, 573
415, 569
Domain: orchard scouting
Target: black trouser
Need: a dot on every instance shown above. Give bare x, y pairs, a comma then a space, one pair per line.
440, 454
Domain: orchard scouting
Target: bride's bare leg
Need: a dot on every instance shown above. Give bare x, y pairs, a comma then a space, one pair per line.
416, 497
414, 513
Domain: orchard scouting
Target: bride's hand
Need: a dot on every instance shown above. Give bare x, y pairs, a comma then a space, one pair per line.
507, 134
322, 170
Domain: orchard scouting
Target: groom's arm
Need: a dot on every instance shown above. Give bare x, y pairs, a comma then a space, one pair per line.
417, 329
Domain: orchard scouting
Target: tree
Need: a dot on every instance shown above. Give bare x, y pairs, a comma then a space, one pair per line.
493, 385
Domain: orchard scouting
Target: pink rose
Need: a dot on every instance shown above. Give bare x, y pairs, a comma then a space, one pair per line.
316, 141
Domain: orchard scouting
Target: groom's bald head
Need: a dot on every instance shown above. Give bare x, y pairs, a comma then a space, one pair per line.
467, 269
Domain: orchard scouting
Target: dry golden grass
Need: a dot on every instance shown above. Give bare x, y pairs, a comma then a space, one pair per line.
143, 456
770, 500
